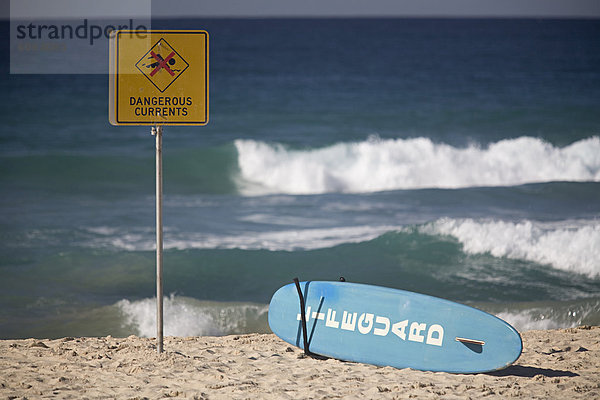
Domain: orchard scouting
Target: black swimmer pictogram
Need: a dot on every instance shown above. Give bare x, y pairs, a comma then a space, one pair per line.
162, 65
157, 60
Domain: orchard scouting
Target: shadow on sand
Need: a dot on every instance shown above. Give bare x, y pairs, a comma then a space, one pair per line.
530, 372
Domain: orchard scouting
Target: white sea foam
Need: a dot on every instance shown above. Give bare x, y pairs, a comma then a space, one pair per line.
567, 246
378, 164
286, 240
551, 315
184, 316
529, 320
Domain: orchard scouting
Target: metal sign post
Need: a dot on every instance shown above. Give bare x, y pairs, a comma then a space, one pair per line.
157, 132
157, 78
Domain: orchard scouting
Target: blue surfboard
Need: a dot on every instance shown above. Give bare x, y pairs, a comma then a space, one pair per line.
390, 327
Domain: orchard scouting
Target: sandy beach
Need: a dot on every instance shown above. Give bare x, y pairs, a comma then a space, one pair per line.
555, 364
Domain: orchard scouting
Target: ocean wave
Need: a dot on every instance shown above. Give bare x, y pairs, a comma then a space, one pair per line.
277, 240
534, 320
392, 164
566, 246
550, 315
185, 316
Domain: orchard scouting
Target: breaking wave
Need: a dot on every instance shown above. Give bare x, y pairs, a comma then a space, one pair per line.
574, 248
391, 164
186, 316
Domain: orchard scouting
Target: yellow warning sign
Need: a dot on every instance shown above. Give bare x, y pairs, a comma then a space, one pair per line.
158, 77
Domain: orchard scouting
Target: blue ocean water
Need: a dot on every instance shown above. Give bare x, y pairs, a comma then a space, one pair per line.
457, 158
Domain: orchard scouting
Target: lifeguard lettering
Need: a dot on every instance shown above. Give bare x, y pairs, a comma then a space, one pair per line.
380, 325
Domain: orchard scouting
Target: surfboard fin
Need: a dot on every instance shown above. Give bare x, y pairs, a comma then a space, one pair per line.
470, 341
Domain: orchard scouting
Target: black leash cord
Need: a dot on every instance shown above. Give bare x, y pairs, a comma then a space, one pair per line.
303, 317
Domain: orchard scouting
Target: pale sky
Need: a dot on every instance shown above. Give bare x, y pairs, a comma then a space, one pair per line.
327, 8
348, 8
